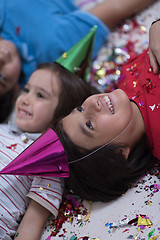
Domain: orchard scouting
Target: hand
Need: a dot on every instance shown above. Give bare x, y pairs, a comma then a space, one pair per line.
154, 46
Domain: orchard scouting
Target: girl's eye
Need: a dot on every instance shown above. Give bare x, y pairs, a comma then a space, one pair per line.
25, 90
89, 125
39, 95
80, 109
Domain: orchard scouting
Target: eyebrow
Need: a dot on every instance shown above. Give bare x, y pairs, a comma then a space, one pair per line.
45, 91
39, 89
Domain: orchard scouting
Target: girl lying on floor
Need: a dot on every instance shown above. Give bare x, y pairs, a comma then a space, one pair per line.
29, 36
44, 100
115, 136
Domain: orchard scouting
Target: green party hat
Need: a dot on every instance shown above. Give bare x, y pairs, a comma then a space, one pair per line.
78, 59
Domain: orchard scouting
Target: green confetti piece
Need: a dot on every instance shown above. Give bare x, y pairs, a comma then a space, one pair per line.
73, 238
16, 234
151, 233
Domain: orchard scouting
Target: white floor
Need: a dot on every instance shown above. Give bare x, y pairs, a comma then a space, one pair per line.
142, 199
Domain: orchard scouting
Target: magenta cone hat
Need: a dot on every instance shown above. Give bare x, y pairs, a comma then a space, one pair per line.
44, 157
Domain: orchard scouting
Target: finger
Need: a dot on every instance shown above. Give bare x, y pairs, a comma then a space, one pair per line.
153, 62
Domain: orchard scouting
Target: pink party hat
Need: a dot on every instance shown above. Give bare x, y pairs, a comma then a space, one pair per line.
44, 157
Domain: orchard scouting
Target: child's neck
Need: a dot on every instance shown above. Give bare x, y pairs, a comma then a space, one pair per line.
138, 125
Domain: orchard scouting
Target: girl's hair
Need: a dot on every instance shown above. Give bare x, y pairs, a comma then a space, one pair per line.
73, 90
106, 174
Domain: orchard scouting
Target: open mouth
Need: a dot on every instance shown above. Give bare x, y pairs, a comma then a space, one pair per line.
109, 104
23, 112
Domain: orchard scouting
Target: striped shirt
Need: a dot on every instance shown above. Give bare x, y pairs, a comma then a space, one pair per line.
16, 191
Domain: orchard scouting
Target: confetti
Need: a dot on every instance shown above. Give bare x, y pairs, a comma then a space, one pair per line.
157, 186
144, 221
152, 107
64, 55
151, 233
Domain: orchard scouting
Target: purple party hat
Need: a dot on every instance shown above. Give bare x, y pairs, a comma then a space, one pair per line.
44, 157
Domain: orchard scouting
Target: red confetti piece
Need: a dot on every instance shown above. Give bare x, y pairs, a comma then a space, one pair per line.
126, 230
12, 146
18, 30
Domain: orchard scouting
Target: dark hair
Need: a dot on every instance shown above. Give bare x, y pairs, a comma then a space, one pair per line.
106, 174
7, 102
6, 105
73, 90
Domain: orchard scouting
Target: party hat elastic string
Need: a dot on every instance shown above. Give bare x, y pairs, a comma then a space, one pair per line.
96, 150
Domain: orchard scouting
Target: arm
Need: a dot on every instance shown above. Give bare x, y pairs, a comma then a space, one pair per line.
154, 46
111, 12
32, 222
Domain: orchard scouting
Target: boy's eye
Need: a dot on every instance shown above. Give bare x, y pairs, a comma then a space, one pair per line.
40, 95
2, 78
80, 109
89, 125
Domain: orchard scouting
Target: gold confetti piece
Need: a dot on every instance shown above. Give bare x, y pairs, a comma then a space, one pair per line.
155, 237
89, 211
101, 72
149, 203
64, 55
70, 220
143, 28
144, 221
48, 185
134, 83
40, 188
24, 138
118, 72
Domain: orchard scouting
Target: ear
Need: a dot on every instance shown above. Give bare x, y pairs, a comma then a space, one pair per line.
125, 151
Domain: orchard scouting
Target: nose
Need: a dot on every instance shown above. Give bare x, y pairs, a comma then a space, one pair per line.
94, 105
25, 99
2, 60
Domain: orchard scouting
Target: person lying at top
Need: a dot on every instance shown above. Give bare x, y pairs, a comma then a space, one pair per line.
34, 32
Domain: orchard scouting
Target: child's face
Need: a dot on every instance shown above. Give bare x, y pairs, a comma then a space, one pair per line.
101, 118
36, 105
10, 66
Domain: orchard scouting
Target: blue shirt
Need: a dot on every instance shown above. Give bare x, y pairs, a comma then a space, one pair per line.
43, 30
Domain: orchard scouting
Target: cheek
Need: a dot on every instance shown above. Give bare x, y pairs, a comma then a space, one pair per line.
17, 104
14, 70
110, 126
52, 108
44, 113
